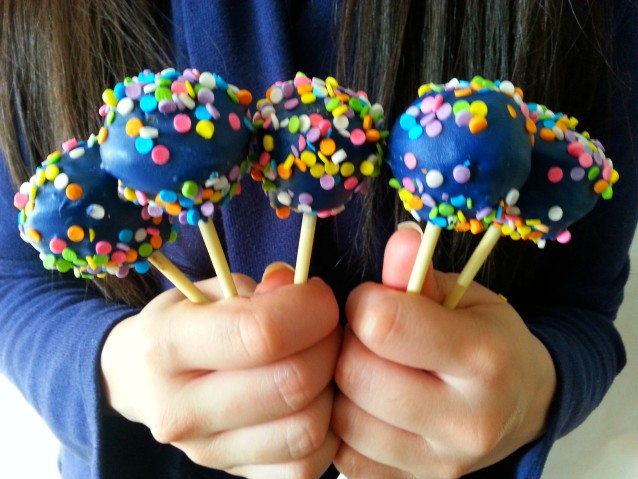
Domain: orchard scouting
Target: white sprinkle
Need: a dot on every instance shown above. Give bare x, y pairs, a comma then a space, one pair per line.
555, 213
304, 123
140, 235
187, 101
96, 212
512, 196
207, 79
125, 106
341, 122
338, 156
284, 198
61, 181
434, 179
149, 132
76, 153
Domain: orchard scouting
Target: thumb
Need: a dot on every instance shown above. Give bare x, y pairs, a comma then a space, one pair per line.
398, 262
275, 275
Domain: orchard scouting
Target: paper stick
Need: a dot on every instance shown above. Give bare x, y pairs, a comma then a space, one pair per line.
175, 276
217, 256
304, 251
423, 257
480, 254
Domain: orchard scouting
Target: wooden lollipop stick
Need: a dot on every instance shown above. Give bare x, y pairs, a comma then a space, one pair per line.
423, 257
217, 256
175, 276
480, 254
304, 251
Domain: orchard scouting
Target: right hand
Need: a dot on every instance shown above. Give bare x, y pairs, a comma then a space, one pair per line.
241, 384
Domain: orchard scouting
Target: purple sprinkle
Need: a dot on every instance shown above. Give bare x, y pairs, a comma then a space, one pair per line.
313, 134
327, 182
570, 136
425, 120
133, 90
288, 89
349, 113
483, 213
461, 174
444, 112
598, 157
305, 199
183, 218
214, 112
428, 200
233, 174
577, 173
207, 209
205, 96
122, 247
122, 272
155, 211
167, 106
291, 104
295, 151
434, 129
413, 111
463, 118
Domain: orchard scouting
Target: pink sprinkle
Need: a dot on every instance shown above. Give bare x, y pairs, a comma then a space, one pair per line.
264, 158
153, 231
291, 104
315, 119
233, 174
103, 111
434, 128
327, 182
178, 88
575, 149
324, 127
182, 123
57, 245
141, 197
350, 183
103, 248
525, 109
133, 90
235, 122
357, 137
207, 209
555, 174
301, 80
70, 144
564, 237
408, 185
20, 200
118, 258
427, 105
607, 170
585, 160
444, 112
438, 101
410, 161
160, 155
324, 214
302, 143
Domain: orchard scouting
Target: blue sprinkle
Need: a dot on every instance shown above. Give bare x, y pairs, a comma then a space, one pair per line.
143, 145
415, 132
248, 124
549, 124
407, 121
221, 83
148, 103
120, 91
125, 235
146, 77
168, 196
186, 202
439, 221
193, 217
458, 201
142, 267
201, 113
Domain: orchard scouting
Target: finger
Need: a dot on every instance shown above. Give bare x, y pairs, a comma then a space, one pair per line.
410, 399
248, 331
226, 400
211, 288
286, 439
398, 262
276, 275
384, 446
357, 466
312, 466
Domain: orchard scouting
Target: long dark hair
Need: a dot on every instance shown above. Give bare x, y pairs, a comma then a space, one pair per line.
387, 47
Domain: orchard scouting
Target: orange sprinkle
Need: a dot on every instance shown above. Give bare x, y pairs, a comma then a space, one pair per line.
75, 233
207, 193
283, 212
256, 175
477, 124
131, 256
535, 235
530, 126
74, 192
102, 135
519, 91
173, 208
547, 134
373, 135
512, 111
156, 241
33, 235
367, 122
284, 173
217, 195
327, 146
344, 97
158, 220
461, 92
301, 89
415, 203
476, 226
462, 227
245, 97
133, 127
600, 186
301, 165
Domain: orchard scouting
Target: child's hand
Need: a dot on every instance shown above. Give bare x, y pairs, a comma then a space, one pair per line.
242, 384
429, 392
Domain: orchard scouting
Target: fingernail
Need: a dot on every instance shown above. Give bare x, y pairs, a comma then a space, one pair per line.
409, 225
276, 266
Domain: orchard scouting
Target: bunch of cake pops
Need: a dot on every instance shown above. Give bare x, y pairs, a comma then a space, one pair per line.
469, 156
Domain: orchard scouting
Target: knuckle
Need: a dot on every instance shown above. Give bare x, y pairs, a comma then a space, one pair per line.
382, 322
293, 387
167, 428
303, 438
259, 335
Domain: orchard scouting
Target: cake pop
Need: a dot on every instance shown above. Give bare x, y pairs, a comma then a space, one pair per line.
178, 142
317, 144
456, 152
569, 172
70, 212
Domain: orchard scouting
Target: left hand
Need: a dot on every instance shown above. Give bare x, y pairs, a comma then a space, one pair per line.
429, 392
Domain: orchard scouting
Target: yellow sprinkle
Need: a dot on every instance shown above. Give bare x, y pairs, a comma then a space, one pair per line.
205, 129
332, 169
347, 169
405, 195
309, 158
478, 108
332, 81
290, 160
340, 110
423, 89
322, 157
189, 89
366, 168
108, 97
308, 98
269, 143
91, 235
317, 171
129, 194
51, 172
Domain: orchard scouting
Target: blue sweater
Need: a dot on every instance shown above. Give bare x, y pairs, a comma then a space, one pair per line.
52, 327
